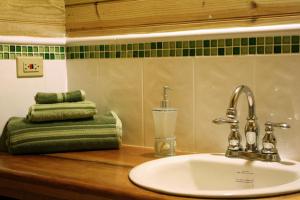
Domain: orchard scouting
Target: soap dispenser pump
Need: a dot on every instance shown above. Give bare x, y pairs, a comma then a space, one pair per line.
164, 124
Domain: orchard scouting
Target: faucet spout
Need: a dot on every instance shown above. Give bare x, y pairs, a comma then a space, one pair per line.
231, 113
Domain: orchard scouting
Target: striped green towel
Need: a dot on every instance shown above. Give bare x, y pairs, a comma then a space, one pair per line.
72, 96
22, 137
61, 111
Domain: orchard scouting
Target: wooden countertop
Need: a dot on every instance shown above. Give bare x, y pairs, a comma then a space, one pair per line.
80, 175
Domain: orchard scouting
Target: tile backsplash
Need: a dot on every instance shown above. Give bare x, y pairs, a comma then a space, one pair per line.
202, 87
203, 74
11, 51
287, 44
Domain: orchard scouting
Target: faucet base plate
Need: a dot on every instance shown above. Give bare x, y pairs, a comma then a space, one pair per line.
271, 157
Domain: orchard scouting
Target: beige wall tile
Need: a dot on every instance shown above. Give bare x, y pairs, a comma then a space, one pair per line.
277, 81
113, 85
215, 80
120, 89
83, 74
177, 73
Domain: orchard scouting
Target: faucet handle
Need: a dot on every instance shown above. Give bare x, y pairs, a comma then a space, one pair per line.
225, 121
269, 125
234, 123
234, 138
269, 140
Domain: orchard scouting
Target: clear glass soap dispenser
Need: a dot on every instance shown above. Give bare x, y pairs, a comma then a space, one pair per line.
164, 123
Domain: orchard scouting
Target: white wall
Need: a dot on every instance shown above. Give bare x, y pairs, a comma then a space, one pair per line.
17, 94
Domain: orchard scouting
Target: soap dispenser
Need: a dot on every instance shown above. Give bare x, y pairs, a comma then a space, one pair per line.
164, 119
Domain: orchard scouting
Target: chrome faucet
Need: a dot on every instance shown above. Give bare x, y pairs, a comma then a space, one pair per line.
251, 127
269, 151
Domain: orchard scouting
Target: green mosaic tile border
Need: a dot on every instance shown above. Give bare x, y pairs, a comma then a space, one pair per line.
11, 51
213, 47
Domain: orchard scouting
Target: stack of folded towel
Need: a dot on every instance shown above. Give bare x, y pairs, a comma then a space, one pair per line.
61, 122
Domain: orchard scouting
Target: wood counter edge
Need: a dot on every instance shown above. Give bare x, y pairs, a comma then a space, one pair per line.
22, 185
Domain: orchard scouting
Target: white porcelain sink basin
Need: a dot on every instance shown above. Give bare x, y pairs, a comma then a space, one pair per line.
215, 176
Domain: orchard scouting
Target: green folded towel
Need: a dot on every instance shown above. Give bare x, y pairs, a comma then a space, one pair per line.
22, 137
61, 111
73, 96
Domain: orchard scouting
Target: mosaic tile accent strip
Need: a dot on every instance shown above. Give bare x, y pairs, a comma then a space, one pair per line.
11, 51
216, 47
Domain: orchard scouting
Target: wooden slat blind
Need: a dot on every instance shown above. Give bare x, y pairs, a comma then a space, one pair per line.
32, 17
94, 17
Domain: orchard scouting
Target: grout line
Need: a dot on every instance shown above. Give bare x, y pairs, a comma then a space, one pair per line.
194, 107
143, 112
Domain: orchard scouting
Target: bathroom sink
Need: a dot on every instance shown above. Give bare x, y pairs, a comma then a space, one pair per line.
216, 176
